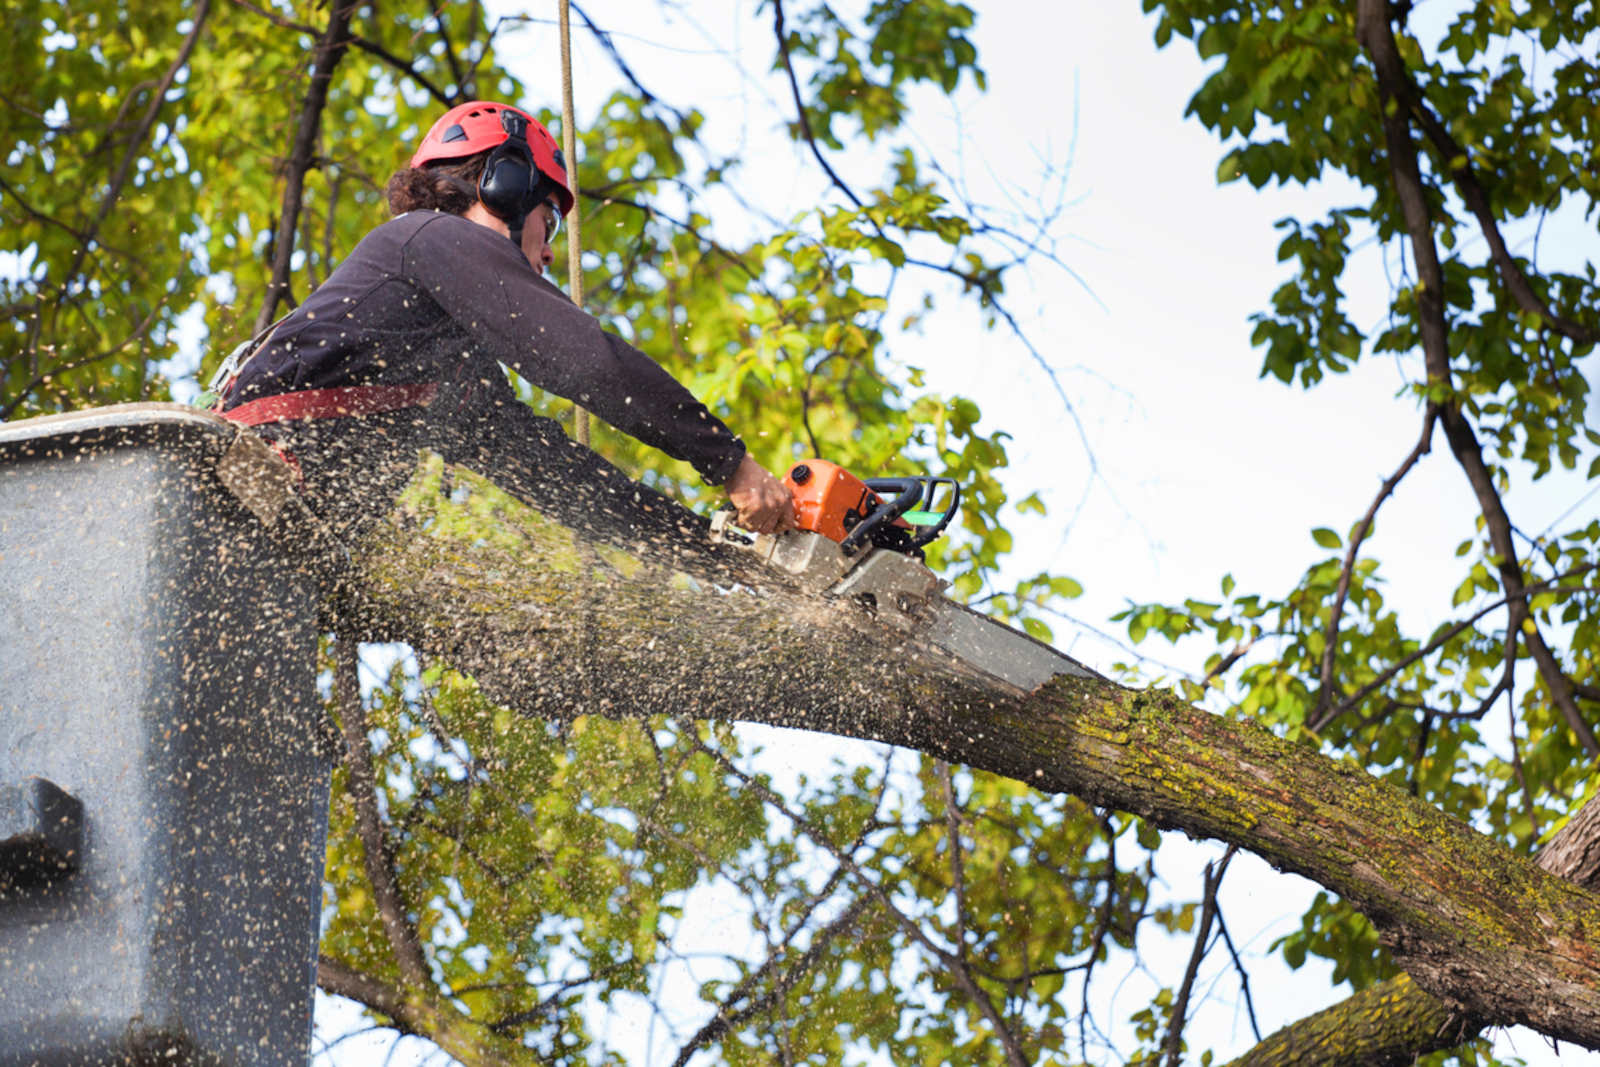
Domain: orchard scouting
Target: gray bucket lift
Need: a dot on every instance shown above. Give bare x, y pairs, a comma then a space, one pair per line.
163, 768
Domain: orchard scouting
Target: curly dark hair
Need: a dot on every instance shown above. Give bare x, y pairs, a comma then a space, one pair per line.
450, 186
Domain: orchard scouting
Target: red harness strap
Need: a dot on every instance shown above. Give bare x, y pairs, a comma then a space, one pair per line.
343, 402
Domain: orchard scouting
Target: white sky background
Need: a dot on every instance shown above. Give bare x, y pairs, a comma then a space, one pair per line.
1205, 468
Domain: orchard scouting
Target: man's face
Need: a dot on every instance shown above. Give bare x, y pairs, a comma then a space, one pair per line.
538, 233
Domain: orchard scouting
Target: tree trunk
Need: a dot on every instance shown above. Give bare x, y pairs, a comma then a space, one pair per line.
1385, 1025
555, 624
1395, 1022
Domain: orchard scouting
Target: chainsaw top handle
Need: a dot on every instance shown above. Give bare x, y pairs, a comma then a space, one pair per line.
940, 519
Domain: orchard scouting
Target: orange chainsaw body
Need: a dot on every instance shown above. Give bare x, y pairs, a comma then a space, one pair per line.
828, 499
869, 512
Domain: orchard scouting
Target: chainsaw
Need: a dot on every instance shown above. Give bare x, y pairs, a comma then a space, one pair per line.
861, 540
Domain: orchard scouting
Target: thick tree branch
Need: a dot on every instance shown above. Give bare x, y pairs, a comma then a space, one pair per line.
1458, 163
1373, 31
1385, 1025
414, 1006
381, 998
1574, 852
1487, 932
1393, 1023
417, 1011
330, 50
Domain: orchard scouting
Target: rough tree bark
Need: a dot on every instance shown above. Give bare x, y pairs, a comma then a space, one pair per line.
552, 622
1392, 1023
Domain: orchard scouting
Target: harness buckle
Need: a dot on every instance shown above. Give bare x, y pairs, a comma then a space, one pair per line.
228, 369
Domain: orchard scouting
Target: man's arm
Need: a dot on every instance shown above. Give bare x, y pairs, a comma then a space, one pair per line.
483, 282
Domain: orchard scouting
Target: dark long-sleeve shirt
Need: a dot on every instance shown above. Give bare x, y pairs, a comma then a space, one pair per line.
425, 293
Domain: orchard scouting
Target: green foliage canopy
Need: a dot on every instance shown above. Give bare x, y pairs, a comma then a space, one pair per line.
150, 172
1450, 139
545, 871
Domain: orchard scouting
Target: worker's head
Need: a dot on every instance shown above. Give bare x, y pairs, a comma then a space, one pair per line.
490, 154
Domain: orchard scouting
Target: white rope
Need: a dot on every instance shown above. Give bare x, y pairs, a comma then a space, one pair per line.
569, 148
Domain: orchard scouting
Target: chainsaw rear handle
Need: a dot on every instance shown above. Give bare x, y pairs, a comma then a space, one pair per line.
908, 493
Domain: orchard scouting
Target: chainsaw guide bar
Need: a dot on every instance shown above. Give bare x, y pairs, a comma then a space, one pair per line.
897, 591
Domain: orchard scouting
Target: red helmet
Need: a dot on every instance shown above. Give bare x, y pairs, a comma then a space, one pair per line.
467, 129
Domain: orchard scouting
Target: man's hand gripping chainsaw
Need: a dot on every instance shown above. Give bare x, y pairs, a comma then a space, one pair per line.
857, 538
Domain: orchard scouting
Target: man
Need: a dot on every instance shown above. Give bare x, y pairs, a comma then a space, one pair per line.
402, 345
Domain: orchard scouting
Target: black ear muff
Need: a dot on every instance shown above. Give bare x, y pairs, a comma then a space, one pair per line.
510, 182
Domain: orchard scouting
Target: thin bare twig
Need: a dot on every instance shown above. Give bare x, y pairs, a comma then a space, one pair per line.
726, 1020
952, 963
363, 785
1102, 929
1225, 664
1522, 778
958, 877
609, 44
1244, 976
983, 285
34, 213
87, 237
1433, 646
146, 123
1419, 750
1459, 164
547, 1004
1208, 913
369, 46
1331, 634
800, 107
139, 332
449, 45
727, 1016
